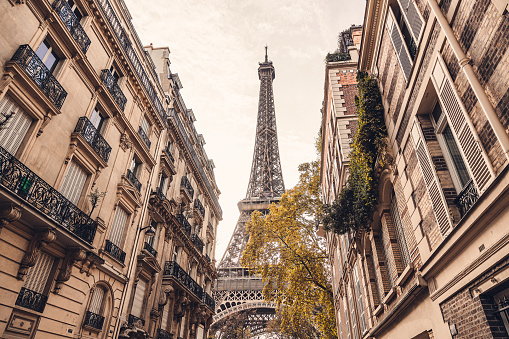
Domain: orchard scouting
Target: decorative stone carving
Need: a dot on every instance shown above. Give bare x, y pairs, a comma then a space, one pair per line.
38, 242
66, 269
125, 142
9, 213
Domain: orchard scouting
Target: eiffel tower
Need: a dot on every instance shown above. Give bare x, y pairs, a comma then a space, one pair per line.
237, 291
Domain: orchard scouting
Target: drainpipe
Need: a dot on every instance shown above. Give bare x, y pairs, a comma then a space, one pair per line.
136, 241
465, 65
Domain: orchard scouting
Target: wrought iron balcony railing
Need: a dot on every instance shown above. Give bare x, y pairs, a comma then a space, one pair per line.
168, 151
132, 178
208, 301
26, 58
184, 224
131, 54
132, 320
467, 198
27, 185
171, 268
160, 194
187, 186
112, 86
144, 137
198, 243
32, 300
114, 251
88, 131
71, 22
150, 249
163, 334
198, 205
94, 320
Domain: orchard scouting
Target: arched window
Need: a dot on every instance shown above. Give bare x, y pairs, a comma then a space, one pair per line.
94, 318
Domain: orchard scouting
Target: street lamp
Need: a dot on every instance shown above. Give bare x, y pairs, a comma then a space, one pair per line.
150, 231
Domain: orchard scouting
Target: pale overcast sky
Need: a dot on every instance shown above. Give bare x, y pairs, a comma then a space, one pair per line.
215, 48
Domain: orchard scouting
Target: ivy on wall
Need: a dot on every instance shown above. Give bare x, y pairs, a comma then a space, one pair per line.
353, 208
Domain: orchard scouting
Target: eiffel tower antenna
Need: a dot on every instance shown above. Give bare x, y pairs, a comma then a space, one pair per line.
237, 290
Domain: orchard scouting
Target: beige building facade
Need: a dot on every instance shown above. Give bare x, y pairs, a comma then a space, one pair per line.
434, 263
108, 201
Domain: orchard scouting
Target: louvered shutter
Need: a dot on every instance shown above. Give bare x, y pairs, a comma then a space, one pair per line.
96, 300
144, 125
164, 318
480, 166
399, 45
138, 298
413, 18
73, 183
435, 192
14, 131
37, 275
117, 228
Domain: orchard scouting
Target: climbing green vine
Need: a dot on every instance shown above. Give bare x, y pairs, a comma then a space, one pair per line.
353, 208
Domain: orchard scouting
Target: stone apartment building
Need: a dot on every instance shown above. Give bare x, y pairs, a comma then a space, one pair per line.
435, 262
108, 202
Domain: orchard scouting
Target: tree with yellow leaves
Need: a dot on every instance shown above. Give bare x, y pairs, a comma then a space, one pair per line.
284, 249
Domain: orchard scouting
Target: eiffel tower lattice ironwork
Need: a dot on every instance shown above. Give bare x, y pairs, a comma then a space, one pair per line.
236, 290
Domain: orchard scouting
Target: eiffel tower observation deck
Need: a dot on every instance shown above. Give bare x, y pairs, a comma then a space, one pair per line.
237, 291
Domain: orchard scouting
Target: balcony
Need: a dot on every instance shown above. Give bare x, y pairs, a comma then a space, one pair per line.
111, 84
114, 251
26, 58
150, 249
208, 301
198, 243
94, 320
186, 226
186, 185
31, 300
88, 131
467, 198
131, 54
24, 183
163, 334
132, 178
172, 269
132, 320
144, 137
71, 22
198, 205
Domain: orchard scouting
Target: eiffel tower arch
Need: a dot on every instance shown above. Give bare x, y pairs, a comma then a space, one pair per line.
237, 291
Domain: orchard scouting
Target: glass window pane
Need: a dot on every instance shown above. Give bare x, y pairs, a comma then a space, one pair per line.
455, 154
42, 50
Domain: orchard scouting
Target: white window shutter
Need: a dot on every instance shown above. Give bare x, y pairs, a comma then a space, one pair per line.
37, 275
73, 183
14, 131
478, 162
118, 225
430, 179
139, 295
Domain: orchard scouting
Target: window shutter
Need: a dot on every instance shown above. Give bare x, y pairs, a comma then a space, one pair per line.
14, 131
117, 228
96, 300
430, 179
400, 232
144, 125
138, 298
73, 183
399, 46
480, 166
37, 275
166, 313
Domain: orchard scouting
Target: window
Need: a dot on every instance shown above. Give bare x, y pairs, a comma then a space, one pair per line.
97, 119
139, 297
407, 36
152, 239
114, 73
358, 295
97, 300
46, 53
14, 131
75, 10
135, 166
163, 183
73, 183
352, 311
176, 254
117, 227
452, 154
347, 322
400, 232
33, 294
